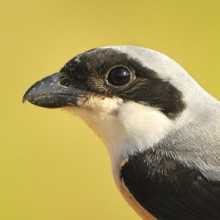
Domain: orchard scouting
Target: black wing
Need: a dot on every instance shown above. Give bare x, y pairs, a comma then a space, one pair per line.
170, 190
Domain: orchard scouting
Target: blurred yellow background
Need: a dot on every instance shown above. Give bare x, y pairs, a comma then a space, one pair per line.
52, 167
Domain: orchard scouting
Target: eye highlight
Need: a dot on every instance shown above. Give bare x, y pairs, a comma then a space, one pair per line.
119, 76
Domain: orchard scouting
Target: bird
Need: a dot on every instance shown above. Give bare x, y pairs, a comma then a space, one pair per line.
160, 127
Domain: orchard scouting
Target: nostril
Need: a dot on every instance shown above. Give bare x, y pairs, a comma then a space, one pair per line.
65, 80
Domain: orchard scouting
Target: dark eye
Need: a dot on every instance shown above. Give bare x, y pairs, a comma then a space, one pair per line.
119, 76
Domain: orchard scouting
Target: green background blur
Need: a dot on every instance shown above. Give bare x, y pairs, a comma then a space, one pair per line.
52, 167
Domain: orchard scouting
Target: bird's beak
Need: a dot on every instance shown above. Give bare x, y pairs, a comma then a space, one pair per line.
49, 93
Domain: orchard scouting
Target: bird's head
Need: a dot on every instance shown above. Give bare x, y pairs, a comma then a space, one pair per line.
130, 96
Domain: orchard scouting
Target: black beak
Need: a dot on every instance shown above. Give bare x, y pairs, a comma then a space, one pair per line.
49, 93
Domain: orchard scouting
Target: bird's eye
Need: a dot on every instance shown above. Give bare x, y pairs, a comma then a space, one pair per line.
119, 76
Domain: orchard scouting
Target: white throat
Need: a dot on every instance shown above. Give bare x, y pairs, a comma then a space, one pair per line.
124, 127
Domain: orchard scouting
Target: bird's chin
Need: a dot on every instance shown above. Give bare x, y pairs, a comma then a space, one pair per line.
71, 109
